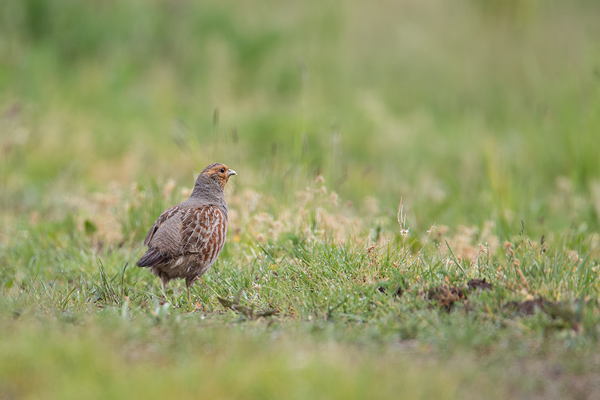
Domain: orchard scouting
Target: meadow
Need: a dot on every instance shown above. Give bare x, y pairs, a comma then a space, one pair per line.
416, 212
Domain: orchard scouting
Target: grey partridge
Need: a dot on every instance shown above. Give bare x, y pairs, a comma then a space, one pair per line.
186, 239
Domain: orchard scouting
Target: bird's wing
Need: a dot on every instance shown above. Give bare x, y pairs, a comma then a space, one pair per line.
163, 238
164, 217
203, 231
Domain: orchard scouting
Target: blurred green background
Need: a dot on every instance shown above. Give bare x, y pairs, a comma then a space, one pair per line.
470, 110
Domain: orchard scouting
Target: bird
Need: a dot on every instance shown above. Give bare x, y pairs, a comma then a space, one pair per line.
187, 238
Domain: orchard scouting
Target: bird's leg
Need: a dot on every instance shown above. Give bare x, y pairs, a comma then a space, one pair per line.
164, 279
189, 282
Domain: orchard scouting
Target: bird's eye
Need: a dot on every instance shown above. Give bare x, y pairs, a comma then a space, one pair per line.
222, 170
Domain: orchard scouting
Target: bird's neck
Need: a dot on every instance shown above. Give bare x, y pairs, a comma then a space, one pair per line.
209, 191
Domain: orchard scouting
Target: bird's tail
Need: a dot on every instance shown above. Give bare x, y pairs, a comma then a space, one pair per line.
150, 259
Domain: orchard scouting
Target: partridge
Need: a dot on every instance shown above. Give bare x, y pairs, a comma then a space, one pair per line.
186, 239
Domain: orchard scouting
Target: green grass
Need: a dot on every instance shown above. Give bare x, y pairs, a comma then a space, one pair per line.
482, 117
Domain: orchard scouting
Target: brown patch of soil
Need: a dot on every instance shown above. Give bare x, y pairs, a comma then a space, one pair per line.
564, 315
446, 296
526, 307
479, 284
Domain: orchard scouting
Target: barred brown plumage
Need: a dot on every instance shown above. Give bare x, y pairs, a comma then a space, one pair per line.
187, 239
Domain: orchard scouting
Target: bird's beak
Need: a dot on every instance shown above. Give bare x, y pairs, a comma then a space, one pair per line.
231, 172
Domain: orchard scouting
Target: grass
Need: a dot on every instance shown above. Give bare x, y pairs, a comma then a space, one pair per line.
480, 117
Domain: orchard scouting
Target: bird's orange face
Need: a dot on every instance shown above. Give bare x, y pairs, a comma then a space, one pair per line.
220, 172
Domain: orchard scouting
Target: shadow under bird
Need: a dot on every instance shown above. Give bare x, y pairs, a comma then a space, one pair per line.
186, 239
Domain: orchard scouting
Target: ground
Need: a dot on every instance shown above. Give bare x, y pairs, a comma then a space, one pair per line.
416, 212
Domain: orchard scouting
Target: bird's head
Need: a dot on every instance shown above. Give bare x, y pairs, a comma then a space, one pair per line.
219, 172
